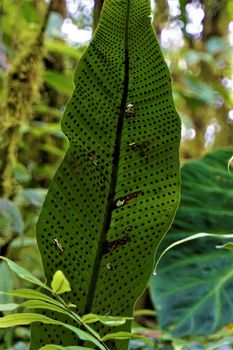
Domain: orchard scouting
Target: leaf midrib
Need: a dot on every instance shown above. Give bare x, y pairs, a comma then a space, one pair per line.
116, 157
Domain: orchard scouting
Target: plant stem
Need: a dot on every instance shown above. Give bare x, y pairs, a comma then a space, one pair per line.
78, 319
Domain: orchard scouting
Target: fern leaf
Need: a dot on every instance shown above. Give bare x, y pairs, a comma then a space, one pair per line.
116, 192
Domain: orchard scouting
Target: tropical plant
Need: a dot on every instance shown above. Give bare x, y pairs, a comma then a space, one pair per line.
55, 303
192, 288
116, 192
201, 67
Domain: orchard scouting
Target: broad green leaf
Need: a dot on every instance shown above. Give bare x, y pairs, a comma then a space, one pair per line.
8, 307
228, 245
59, 347
126, 335
32, 294
22, 273
107, 320
192, 290
59, 283
28, 318
115, 194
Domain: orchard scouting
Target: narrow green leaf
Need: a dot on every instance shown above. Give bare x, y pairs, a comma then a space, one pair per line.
24, 274
187, 239
52, 149
33, 304
106, 320
71, 305
24, 319
84, 335
8, 307
59, 347
43, 108
228, 245
89, 318
32, 294
126, 335
144, 312
59, 283
230, 164
28, 318
38, 304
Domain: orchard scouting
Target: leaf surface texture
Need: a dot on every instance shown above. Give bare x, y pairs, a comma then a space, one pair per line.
116, 191
192, 290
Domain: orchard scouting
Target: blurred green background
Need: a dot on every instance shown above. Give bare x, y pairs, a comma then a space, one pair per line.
40, 46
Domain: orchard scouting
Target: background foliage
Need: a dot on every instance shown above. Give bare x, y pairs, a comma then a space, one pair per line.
192, 288
196, 38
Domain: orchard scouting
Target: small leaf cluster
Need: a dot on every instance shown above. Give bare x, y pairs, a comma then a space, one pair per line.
39, 300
